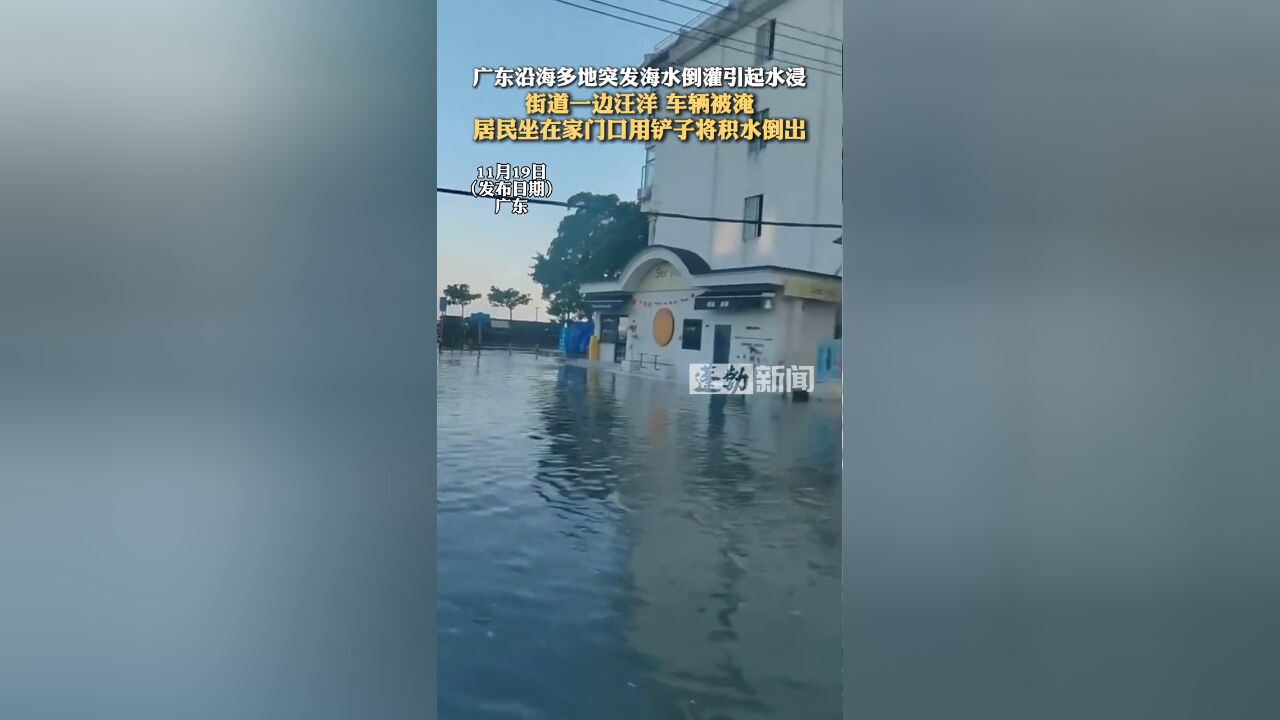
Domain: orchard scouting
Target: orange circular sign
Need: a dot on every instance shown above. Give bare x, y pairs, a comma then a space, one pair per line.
664, 326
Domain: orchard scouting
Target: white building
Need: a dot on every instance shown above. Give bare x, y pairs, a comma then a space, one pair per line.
731, 292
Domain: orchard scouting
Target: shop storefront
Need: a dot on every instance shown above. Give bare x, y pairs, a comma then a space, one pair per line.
668, 309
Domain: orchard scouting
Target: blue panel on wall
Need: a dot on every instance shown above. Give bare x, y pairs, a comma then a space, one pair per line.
830, 361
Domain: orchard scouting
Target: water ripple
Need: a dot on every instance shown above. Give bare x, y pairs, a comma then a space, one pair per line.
611, 547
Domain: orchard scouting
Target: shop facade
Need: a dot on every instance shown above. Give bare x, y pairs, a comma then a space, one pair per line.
669, 309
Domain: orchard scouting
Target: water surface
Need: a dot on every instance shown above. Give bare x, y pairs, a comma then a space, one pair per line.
612, 547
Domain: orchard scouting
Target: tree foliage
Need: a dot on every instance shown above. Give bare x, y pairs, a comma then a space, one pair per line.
566, 304
460, 295
509, 298
592, 243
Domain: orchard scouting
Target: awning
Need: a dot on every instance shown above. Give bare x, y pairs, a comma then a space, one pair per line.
608, 306
734, 300
608, 303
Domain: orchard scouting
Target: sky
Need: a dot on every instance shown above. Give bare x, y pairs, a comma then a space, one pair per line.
475, 246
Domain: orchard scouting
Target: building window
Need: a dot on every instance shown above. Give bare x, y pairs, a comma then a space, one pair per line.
752, 214
764, 41
691, 335
757, 144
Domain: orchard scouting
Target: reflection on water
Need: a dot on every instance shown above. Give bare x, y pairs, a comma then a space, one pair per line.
610, 547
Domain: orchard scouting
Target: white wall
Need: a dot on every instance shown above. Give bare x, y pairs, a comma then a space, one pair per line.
800, 181
803, 323
754, 328
671, 353
786, 335
767, 330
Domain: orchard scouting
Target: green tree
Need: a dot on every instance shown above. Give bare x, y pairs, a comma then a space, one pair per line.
460, 295
509, 298
566, 304
592, 243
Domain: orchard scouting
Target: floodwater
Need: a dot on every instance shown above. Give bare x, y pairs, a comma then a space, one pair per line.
613, 547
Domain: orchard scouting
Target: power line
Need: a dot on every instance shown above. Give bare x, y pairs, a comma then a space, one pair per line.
668, 30
707, 32
779, 34
796, 27
654, 213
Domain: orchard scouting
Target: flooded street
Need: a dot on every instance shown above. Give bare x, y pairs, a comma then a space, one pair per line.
612, 547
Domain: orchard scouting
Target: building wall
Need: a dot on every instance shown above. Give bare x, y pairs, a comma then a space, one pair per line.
755, 337
786, 335
643, 342
803, 324
663, 286
801, 182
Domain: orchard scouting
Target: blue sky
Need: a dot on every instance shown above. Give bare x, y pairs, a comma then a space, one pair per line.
475, 245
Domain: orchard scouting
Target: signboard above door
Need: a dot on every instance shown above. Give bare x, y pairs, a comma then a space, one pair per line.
813, 289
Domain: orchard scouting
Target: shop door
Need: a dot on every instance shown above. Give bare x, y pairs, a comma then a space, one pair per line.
720, 350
